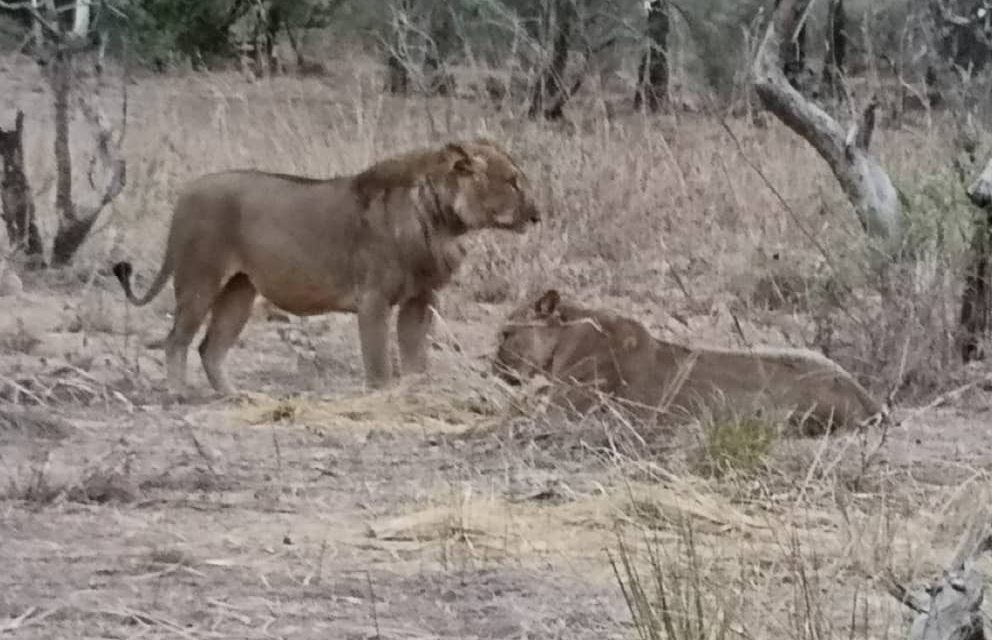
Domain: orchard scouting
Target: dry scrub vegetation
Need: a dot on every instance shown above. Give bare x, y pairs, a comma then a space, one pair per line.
451, 506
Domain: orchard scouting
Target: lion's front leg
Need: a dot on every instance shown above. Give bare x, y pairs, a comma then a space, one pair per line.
373, 333
412, 326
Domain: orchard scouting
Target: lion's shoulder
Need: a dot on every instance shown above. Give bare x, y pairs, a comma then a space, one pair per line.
398, 172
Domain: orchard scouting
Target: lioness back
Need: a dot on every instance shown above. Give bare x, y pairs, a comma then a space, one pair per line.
593, 352
817, 388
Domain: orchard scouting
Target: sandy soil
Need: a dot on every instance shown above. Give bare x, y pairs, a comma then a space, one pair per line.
307, 508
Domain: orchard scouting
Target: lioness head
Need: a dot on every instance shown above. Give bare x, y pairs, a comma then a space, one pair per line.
487, 188
528, 337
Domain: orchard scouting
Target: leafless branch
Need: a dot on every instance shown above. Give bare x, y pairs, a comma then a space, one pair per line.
109, 152
859, 136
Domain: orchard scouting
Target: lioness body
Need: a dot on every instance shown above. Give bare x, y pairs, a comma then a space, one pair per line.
588, 352
361, 244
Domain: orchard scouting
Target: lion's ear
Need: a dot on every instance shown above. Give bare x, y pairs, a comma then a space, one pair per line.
464, 161
547, 304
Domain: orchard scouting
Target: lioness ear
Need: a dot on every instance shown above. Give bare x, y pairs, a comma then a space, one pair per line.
547, 304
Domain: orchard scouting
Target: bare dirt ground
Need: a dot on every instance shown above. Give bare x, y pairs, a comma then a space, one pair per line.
411, 513
449, 506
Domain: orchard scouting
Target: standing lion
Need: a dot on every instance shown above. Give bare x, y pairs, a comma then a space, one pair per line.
388, 236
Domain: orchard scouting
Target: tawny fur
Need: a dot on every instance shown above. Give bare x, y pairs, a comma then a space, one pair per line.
388, 236
588, 353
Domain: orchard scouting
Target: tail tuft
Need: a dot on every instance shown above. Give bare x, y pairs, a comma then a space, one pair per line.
123, 270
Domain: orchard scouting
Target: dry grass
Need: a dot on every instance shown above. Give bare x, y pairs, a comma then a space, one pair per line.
451, 506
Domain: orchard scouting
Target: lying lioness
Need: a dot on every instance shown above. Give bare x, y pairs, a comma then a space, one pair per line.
365, 243
588, 353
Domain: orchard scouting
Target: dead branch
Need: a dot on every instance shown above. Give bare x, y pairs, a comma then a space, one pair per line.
860, 175
859, 135
951, 608
109, 154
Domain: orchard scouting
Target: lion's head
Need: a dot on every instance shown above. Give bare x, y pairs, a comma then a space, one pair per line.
465, 185
493, 191
528, 337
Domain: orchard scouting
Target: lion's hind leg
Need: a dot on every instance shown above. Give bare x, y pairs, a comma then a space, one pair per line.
228, 316
194, 297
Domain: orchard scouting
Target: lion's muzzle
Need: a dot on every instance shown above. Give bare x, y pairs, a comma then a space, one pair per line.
533, 214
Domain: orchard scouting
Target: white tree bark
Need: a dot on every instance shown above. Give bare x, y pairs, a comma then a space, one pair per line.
39, 36
860, 175
81, 19
980, 190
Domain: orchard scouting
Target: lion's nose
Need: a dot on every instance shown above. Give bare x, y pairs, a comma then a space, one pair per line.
534, 215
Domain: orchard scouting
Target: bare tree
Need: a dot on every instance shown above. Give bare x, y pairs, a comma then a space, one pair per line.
862, 178
57, 58
559, 24
964, 32
15, 193
653, 73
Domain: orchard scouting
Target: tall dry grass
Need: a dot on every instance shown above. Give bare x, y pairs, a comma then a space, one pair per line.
661, 216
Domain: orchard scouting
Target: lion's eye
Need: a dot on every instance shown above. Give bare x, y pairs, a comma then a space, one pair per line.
504, 335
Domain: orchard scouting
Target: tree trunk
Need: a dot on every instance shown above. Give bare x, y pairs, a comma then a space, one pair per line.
60, 79
439, 49
397, 59
71, 230
301, 60
836, 58
793, 45
653, 74
975, 298
397, 75
81, 19
860, 175
963, 29
273, 23
547, 97
36, 33
15, 193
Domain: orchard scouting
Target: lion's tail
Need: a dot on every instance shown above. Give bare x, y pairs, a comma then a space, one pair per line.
123, 271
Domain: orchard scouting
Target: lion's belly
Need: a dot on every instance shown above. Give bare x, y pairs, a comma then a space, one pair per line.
305, 294
311, 304
304, 289
299, 275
